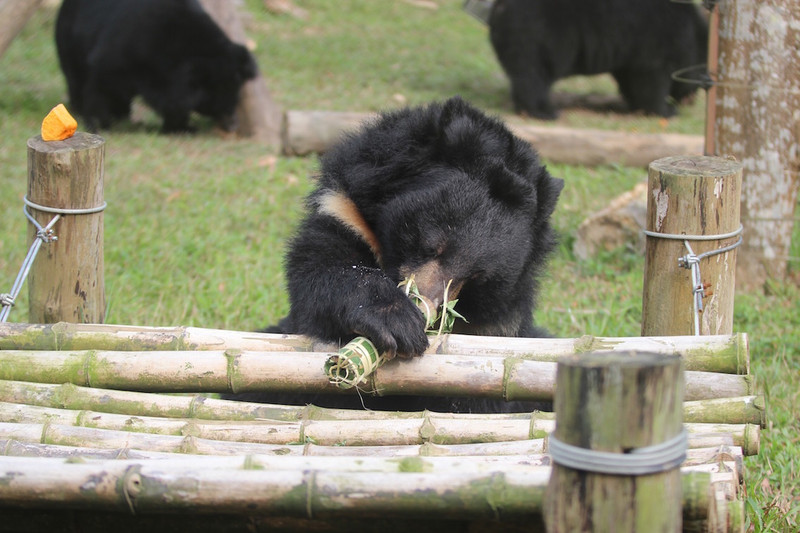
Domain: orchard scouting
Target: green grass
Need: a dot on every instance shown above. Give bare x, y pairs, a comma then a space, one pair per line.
196, 225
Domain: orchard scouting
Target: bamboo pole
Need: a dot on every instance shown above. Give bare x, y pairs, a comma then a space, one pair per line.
697, 197
66, 280
68, 336
613, 404
509, 378
713, 353
386, 432
422, 489
733, 410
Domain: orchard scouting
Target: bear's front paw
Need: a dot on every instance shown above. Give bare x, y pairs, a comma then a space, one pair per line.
396, 328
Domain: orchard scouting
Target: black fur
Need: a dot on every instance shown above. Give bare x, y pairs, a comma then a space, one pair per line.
640, 42
446, 193
168, 51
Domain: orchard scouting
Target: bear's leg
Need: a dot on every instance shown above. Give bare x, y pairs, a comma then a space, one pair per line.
646, 90
530, 91
101, 106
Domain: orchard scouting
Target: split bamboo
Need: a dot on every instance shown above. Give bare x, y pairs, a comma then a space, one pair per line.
235, 371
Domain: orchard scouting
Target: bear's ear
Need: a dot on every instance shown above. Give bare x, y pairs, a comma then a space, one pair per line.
507, 186
548, 191
465, 133
247, 67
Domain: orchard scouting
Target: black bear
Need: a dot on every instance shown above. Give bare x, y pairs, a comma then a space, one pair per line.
169, 52
640, 42
443, 192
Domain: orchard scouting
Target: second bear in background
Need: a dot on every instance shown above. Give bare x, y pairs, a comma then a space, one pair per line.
639, 42
169, 52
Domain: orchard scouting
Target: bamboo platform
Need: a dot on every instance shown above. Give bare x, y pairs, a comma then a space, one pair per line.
100, 422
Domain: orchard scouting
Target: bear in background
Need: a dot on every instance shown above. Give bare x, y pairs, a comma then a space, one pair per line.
443, 192
639, 42
169, 52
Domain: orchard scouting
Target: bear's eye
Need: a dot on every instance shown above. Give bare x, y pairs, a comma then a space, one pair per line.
478, 277
430, 251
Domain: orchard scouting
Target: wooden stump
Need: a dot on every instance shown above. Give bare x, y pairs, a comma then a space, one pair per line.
690, 196
66, 281
616, 403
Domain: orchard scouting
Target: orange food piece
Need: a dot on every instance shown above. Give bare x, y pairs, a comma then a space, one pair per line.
58, 124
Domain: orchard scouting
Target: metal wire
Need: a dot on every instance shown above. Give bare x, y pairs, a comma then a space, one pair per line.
43, 235
691, 261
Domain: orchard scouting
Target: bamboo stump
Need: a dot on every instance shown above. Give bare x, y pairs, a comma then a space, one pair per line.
66, 281
616, 403
692, 196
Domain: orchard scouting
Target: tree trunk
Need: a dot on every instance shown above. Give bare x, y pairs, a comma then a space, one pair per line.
257, 116
13, 16
757, 121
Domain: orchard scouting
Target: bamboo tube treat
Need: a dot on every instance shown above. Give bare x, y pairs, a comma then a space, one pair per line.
359, 358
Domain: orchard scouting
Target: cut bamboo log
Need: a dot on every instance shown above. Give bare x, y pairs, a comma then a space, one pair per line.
713, 353
68, 336
428, 428
233, 371
734, 410
420, 488
696, 458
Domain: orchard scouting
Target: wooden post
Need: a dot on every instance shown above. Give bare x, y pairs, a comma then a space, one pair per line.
66, 280
690, 196
757, 122
616, 403
13, 16
257, 115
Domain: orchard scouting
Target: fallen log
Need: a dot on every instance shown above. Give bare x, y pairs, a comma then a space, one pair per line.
306, 132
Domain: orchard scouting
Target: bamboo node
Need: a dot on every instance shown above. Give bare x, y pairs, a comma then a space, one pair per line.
132, 486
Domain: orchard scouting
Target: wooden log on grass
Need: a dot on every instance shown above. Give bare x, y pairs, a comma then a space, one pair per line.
380, 432
398, 490
13, 16
65, 282
733, 410
234, 371
692, 210
610, 409
307, 132
257, 114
